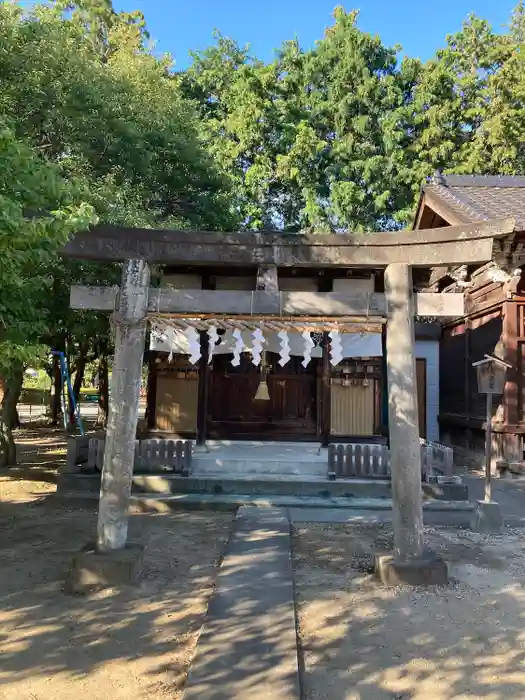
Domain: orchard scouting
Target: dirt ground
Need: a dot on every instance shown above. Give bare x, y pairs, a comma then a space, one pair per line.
41, 452
361, 641
135, 643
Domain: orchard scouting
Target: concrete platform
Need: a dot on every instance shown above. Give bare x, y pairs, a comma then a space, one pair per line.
253, 484
454, 517
259, 485
247, 649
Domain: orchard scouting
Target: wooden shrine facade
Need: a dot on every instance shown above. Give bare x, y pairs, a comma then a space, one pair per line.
319, 402
494, 318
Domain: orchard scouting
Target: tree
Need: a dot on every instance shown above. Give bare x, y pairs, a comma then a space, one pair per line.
87, 98
498, 145
38, 211
314, 139
114, 118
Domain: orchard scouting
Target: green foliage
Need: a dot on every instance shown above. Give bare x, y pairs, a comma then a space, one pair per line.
38, 211
342, 136
86, 92
92, 125
315, 139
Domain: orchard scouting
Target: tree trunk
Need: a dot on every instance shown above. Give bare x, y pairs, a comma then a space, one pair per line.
56, 397
79, 380
103, 391
9, 416
12, 397
7, 445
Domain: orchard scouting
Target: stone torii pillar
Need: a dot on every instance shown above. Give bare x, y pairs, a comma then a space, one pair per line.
129, 321
410, 563
113, 560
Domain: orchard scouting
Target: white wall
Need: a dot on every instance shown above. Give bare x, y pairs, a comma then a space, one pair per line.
354, 285
429, 350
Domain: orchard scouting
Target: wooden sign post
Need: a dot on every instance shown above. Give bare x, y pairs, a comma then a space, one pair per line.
491, 380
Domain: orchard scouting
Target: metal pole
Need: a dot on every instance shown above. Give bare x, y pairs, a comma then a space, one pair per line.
488, 451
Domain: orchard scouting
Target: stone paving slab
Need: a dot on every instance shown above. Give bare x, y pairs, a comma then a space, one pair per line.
247, 649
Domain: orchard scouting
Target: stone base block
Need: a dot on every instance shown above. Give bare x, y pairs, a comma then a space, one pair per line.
427, 570
517, 468
487, 518
93, 570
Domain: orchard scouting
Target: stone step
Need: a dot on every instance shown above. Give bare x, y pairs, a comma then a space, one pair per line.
166, 484
216, 466
280, 501
285, 459
157, 503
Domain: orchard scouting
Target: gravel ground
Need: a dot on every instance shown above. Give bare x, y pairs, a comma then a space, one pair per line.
361, 641
135, 643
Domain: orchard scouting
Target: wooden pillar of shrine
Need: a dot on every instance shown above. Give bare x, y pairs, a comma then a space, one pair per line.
202, 399
129, 321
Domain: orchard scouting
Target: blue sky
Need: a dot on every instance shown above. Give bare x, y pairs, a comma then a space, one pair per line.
419, 26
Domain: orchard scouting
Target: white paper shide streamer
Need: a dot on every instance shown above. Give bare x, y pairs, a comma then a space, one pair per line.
194, 343
237, 348
308, 347
257, 349
213, 338
336, 348
285, 348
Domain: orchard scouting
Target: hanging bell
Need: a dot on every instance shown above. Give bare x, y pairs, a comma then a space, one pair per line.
262, 393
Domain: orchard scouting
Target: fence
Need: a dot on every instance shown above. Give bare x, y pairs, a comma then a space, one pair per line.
150, 455
373, 461
436, 459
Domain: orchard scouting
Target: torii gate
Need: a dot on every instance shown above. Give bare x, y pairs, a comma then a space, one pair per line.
397, 253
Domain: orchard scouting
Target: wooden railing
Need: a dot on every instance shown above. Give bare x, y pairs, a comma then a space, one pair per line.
358, 460
436, 459
368, 461
150, 455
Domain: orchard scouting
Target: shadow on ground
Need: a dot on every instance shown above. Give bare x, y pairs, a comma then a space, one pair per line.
132, 643
360, 641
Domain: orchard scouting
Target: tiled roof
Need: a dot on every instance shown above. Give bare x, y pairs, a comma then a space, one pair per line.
480, 197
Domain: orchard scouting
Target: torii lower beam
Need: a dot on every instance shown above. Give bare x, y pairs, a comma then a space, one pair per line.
224, 303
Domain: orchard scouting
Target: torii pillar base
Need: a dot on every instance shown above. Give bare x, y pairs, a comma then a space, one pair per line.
426, 570
93, 570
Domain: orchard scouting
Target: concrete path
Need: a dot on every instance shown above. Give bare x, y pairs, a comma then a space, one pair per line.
247, 649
